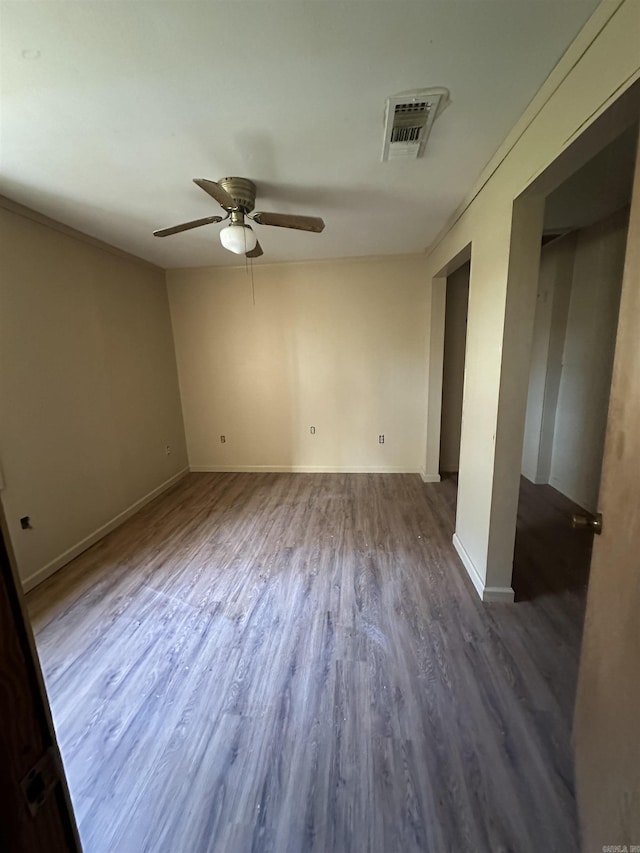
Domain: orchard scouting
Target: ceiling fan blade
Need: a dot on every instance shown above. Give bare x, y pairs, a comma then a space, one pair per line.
195, 223
289, 220
255, 253
216, 191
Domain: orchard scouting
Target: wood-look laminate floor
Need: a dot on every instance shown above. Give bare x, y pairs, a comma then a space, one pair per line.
274, 662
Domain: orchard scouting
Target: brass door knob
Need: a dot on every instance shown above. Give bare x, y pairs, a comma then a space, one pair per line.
587, 522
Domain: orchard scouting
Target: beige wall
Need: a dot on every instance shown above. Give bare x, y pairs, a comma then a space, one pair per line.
336, 345
602, 63
587, 362
554, 292
572, 357
88, 390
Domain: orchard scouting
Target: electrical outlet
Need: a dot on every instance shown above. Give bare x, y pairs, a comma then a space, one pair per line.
223, 438
381, 439
312, 430
168, 450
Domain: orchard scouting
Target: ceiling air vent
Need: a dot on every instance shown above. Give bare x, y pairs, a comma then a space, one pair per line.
407, 122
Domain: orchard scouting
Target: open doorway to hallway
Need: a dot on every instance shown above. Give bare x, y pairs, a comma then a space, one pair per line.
581, 269
455, 341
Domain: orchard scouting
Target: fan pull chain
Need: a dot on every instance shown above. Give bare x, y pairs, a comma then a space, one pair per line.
248, 264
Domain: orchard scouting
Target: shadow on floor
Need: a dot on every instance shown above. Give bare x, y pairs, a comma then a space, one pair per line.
550, 556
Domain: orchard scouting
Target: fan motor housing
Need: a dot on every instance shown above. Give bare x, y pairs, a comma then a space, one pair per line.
242, 190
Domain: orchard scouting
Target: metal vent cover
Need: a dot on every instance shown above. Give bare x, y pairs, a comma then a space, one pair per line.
408, 120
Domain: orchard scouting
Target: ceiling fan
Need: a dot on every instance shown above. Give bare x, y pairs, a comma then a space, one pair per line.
237, 197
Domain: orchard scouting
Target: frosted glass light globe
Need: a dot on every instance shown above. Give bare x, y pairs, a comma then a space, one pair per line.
239, 239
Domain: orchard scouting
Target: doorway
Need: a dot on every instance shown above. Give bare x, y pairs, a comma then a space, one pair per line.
455, 340
580, 279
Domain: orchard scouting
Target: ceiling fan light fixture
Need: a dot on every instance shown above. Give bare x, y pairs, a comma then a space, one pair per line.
238, 239
236, 196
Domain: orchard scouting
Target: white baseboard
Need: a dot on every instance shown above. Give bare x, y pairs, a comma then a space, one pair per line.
469, 565
71, 553
430, 478
498, 594
486, 593
537, 481
580, 500
300, 469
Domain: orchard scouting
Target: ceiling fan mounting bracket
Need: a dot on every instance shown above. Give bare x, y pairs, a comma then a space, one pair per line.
242, 190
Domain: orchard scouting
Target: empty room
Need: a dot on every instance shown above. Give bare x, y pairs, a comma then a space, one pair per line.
318, 324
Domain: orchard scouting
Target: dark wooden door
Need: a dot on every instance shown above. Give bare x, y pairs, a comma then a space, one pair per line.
35, 809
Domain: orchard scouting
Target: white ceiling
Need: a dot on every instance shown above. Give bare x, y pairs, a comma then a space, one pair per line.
109, 109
